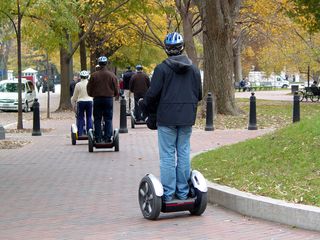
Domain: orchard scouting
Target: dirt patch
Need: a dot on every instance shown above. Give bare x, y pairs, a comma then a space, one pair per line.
13, 144
27, 130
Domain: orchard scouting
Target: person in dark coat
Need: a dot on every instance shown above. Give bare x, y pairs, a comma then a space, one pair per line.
126, 86
103, 86
139, 84
173, 96
72, 85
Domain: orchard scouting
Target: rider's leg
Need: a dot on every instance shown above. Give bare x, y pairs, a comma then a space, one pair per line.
107, 116
88, 110
167, 137
97, 116
183, 161
80, 116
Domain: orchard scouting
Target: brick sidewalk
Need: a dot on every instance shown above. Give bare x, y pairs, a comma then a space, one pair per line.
53, 190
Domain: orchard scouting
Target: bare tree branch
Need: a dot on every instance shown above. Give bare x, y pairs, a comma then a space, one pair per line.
11, 20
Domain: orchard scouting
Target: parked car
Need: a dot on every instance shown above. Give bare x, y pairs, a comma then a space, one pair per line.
9, 94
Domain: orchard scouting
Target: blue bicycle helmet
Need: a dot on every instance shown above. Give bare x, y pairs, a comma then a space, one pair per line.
174, 44
102, 60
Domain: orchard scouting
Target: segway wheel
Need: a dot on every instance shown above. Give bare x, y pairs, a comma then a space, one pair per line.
90, 140
132, 122
73, 138
201, 203
116, 140
150, 203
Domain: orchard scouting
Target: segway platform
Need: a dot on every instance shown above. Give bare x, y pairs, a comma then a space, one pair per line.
75, 136
134, 121
151, 202
93, 144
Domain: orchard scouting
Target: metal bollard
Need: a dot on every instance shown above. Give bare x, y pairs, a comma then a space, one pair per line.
209, 113
296, 107
36, 118
252, 114
2, 133
123, 116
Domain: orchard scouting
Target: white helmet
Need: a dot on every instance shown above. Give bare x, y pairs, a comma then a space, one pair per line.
84, 74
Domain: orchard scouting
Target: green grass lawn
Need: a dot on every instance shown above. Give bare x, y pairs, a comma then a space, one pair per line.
283, 165
270, 114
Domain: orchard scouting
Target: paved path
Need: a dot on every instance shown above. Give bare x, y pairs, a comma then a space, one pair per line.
53, 190
283, 95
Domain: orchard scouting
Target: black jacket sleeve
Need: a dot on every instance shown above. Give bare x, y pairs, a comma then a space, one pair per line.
152, 97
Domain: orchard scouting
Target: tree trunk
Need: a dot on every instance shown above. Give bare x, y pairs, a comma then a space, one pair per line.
83, 53
187, 18
218, 54
93, 61
65, 62
237, 63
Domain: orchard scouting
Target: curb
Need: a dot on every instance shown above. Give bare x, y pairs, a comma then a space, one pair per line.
297, 215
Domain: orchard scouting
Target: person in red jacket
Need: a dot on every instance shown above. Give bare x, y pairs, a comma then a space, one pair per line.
103, 86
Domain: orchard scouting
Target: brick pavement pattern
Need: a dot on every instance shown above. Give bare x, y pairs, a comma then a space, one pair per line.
53, 190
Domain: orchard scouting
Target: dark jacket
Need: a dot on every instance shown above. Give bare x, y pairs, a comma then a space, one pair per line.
72, 86
174, 92
103, 83
126, 79
139, 83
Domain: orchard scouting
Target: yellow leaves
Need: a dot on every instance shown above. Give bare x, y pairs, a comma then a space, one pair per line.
249, 52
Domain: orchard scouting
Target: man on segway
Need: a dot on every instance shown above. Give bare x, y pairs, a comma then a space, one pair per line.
103, 86
173, 96
139, 84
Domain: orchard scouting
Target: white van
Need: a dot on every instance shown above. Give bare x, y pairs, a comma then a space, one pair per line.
9, 94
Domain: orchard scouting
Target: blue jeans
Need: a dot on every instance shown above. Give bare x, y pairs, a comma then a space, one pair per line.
84, 107
103, 108
174, 149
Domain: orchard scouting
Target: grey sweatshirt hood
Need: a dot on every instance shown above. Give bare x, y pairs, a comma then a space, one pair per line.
179, 64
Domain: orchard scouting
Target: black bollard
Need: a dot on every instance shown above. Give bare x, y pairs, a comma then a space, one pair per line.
296, 107
123, 116
129, 106
2, 133
252, 114
36, 118
209, 113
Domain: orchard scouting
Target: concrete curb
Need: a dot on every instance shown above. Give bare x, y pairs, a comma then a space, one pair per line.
297, 215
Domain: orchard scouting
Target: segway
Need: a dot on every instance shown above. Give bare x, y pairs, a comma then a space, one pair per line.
152, 203
113, 144
134, 121
75, 136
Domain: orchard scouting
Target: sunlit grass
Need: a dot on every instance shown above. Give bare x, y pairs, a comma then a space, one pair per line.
270, 114
283, 165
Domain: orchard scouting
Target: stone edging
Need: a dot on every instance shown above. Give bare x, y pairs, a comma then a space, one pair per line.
297, 215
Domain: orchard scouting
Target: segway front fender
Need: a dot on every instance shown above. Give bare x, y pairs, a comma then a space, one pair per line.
158, 188
198, 181
74, 128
